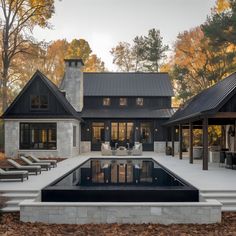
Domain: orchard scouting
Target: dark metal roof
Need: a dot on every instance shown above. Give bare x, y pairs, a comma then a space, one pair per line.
127, 84
127, 113
208, 101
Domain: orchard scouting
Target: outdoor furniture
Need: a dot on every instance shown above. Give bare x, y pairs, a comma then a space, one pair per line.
229, 160
13, 174
121, 151
222, 158
53, 163
106, 149
214, 156
197, 152
31, 169
137, 149
46, 166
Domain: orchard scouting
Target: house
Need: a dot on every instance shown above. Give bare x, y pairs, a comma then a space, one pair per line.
88, 109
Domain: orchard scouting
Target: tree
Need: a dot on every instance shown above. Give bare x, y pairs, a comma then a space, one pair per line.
79, 48
198, 65
153, 51
18, 19
220, 27
123, 56
145, 54
94, 64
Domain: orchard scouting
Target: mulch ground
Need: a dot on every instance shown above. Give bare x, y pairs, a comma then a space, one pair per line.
11, 226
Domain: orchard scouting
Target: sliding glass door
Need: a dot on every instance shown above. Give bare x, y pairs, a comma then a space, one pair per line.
122, 133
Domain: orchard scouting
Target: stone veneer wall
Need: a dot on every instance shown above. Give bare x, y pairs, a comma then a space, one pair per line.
85, 146
160, 147
64, 139
137, 213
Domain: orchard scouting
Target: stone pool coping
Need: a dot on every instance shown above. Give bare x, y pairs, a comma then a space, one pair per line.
121, 212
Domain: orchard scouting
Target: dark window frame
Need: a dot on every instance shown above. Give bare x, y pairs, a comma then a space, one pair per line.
26, 129
39, 108
74, 135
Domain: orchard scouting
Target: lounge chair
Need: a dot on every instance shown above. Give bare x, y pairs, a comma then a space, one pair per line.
36, 160
46, 166
31, 169
137, 149
14, 174
106, 149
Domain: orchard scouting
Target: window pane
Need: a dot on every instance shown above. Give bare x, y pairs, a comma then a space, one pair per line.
130, 132
38, 136
34, 102
114, 131
98, 132
43, 102
74, 136
139, 101
123, 101
106, 101
122, 131
146, 133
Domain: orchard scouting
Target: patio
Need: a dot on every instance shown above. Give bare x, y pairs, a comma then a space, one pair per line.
216, 181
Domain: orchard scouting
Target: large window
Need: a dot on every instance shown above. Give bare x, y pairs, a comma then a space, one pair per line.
38, 136
122, 132
106, 101
123, 101
39, 102
146, 132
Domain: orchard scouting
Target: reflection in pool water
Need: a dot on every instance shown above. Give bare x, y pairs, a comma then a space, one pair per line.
120, 179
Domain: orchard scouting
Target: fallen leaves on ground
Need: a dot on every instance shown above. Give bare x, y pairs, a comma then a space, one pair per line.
11, 226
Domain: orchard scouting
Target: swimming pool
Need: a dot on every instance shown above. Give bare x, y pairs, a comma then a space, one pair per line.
120, 180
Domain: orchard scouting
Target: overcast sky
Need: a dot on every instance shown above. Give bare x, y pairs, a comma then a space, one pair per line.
103, 23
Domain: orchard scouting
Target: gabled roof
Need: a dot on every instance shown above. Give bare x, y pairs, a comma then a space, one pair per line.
208, 101
127, 84
52, 87
127, 113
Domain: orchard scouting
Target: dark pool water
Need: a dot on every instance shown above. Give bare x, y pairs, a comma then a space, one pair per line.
120, 180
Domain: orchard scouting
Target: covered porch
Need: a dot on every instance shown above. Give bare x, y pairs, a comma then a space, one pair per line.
213, 107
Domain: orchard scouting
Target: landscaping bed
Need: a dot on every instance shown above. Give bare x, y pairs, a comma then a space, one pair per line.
10, 225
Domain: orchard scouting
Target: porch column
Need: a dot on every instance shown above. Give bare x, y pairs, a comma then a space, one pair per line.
234, 135
205, 143
180, 141
191, 143
173, 140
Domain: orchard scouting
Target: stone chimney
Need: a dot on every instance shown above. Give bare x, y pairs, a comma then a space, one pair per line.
73, 83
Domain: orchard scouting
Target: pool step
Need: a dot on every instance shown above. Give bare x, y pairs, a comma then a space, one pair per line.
226, 197
13, 198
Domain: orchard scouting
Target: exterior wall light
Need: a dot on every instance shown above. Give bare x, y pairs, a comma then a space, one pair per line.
107, 128
156, 130
136, 128
87, 129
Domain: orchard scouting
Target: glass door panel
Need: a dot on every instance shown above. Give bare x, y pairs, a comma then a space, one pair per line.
122, 132
146, 132
130, 132
98, 132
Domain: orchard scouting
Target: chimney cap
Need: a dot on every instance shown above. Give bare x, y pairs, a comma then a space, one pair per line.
75, 60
